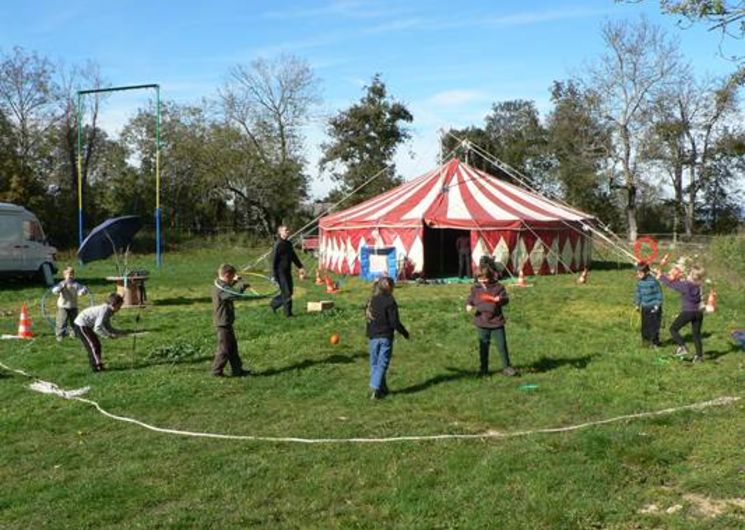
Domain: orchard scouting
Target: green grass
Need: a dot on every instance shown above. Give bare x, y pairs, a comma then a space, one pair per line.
64, 465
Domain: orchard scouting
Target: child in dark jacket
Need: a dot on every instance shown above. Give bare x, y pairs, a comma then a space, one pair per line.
382, 321
487, 297
648, 300
691, 311
228, 287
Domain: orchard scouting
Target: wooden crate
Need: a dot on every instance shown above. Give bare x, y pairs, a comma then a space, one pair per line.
323, 305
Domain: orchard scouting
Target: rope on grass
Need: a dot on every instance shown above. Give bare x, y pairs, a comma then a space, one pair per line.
74, 395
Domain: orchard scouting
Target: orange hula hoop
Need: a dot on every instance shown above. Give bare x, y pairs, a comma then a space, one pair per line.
638, 246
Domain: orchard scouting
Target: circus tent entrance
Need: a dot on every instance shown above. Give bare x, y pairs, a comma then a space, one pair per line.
440, 255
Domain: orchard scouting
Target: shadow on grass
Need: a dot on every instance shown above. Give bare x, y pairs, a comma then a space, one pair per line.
182, 300
20, 284
141, 364
717, 354
308, 363
438, 380
546, 364
610, 266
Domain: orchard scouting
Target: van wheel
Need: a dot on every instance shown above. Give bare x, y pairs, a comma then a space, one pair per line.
46, 275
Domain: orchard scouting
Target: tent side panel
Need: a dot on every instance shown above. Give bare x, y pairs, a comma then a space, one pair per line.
339, 250
534, 251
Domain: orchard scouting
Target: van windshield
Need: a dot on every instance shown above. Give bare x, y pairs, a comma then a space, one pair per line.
10, 228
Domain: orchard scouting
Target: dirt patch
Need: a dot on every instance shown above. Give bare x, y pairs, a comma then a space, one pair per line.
703, 506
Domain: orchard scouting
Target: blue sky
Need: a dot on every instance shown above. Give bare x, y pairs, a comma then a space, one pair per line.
447, 61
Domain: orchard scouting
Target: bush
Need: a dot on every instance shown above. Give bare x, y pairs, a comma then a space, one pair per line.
726, 253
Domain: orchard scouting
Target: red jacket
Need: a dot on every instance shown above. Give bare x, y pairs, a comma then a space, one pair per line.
488, 300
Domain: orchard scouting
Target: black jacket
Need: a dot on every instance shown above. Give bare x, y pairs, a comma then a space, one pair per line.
384, 312
284, 257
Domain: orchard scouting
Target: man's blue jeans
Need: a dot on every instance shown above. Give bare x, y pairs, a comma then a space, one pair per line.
380, 349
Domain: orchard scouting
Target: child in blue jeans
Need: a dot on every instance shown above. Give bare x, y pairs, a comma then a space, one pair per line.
382, 321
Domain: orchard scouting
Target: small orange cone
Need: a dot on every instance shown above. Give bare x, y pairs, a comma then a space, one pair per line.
582, 277
711, 303
24, 324
331, 287
521, 279
319, 280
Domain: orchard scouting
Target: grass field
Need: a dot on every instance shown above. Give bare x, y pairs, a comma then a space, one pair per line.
65, 465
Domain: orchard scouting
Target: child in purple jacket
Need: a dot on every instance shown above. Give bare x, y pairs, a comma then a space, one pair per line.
487, 297
692, 310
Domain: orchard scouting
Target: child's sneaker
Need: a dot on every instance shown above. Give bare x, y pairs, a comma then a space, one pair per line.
510, 372
681, 352
698, 359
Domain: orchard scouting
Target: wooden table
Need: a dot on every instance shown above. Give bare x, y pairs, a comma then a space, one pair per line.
131, 288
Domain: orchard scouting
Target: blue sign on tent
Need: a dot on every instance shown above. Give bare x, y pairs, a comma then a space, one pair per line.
377, 261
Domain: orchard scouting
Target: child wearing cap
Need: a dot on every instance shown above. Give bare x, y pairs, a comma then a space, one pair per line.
648, 300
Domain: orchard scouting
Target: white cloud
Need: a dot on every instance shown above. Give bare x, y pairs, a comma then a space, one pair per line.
359, 9
457, 97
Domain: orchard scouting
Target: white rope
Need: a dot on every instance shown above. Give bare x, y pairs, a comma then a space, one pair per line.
74, 395
523, 181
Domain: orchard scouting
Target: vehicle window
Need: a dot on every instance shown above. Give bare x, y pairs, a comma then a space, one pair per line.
32, 231
10, 227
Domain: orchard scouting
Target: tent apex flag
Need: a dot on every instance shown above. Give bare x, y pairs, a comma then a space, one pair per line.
423, 217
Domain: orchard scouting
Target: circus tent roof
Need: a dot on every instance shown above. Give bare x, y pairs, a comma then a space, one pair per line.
455, 195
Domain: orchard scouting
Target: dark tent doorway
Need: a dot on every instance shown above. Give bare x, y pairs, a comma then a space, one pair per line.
440, 254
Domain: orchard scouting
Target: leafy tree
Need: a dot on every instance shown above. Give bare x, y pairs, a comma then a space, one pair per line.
579, 143
722, 210
363, 141
638, 62
463, 142
518, 138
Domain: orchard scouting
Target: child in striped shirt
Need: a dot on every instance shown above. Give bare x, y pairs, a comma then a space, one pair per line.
648, 300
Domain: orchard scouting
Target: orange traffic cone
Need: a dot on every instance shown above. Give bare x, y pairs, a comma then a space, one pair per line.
319, 280
521, 279
582, 277
711, 303
331, 287
24, 324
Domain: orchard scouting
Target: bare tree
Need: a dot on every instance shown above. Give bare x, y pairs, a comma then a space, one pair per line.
691, 118
28, 96
71, 80
639, 61
269, 102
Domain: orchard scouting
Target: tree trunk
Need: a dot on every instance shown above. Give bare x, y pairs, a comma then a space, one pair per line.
631, 212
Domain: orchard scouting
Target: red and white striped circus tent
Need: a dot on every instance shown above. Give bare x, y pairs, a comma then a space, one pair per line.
423, 217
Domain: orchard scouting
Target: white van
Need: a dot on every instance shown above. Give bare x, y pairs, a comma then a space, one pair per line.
24, 250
